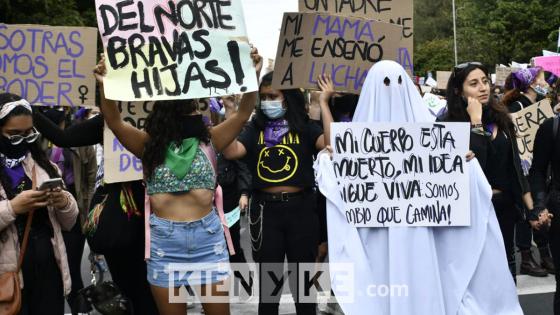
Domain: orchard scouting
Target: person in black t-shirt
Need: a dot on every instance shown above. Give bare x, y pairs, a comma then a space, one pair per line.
279, 144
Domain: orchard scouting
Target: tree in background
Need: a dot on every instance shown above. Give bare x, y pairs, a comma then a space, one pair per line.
48, 12
489, 31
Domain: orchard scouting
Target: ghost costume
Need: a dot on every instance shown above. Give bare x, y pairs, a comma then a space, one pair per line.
446, 270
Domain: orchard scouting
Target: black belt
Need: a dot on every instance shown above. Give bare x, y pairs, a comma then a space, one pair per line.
279, 197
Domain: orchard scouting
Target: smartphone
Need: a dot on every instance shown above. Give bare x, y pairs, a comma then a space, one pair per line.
51, 184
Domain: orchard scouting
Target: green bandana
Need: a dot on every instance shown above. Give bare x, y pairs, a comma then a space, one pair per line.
179, 158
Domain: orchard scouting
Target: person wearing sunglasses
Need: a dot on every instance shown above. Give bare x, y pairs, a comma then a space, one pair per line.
23, 167
493, 140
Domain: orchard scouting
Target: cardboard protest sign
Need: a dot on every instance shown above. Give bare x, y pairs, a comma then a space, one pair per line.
399, 12
313, 44
48, 65
176, 49
442, 79
121, 165
527, 123
403, 174
551, 64
502, 73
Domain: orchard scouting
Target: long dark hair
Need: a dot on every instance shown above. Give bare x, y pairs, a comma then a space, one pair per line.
457, 111
295, 113
166, 125
38, 155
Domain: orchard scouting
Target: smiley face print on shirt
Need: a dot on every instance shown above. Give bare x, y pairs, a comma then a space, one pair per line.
278, 163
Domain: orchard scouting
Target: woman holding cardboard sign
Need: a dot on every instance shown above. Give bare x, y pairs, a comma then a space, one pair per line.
177, 157
493, 140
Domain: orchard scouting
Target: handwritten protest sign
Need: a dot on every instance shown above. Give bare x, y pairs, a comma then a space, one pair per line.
442, 79
313, 44
399, 12
551, 63
121, 165
48, 65
527, 122
502, 73
403, 174
176, 49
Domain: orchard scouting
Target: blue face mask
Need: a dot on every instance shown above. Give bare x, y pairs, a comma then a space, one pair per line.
541, 91
273, 109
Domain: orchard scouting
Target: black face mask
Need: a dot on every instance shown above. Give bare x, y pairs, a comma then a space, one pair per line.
13, 151
193, 127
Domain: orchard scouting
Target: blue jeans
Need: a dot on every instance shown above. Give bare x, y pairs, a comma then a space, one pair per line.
187, 253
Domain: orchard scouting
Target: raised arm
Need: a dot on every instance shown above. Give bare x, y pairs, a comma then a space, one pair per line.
225, 133
131, 138
327, 91
89, 132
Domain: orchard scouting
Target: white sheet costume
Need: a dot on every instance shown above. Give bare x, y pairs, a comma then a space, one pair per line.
447, 270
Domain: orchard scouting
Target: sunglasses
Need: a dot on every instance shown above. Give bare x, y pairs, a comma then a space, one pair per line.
30, 138
462, 66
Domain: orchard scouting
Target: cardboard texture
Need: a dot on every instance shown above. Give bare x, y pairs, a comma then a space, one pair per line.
527, 123
392, 11
48, 65
442, 79
312, 44
121, 165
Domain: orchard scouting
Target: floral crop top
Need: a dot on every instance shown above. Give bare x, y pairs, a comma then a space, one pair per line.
200, 176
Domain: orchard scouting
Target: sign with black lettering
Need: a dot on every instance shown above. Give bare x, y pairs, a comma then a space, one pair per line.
48, 65
527, 123
399, 12
121, 165
177, 49
399, 175
312, 44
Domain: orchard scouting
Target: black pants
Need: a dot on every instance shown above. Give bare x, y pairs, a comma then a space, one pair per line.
507, 218
289, 229
43, 292
74, 241
129, 272
554, 236
524, 234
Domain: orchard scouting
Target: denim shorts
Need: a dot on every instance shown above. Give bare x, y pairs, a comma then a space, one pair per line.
187, 253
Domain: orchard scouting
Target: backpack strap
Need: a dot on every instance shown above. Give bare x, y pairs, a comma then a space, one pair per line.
147, 213
218, 195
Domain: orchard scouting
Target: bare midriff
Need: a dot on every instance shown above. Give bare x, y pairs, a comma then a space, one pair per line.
185, 207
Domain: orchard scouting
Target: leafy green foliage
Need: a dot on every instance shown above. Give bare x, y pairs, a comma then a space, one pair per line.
489, 31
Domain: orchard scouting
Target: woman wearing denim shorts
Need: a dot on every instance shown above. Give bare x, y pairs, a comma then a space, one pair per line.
187, 244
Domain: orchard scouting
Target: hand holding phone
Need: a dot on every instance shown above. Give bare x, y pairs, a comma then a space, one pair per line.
51, 184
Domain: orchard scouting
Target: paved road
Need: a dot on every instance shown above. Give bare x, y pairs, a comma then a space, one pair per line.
535, 294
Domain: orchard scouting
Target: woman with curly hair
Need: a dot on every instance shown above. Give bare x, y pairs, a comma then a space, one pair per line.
185, 227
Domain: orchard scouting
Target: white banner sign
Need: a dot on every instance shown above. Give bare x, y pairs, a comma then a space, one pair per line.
403, 174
